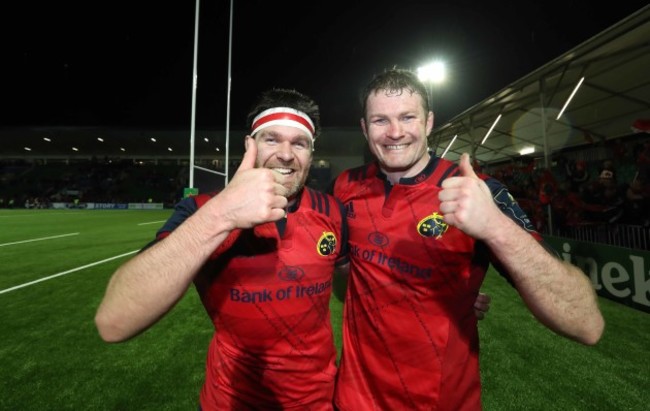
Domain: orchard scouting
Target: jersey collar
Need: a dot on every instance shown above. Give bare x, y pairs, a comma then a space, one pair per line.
420, 177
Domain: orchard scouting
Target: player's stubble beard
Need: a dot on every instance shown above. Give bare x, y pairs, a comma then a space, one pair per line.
295, 181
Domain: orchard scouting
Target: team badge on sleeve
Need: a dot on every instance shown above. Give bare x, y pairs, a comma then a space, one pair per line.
326, 243
432, 226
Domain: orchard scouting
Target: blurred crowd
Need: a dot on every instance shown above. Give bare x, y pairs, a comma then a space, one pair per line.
25, 184
580, 192
579, 189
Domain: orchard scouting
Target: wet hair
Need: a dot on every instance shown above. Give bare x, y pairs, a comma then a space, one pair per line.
395, 81
280, 97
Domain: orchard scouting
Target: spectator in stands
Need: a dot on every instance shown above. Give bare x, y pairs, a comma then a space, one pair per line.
547, 187
610, 195
567, 207
602, 200
637, 203
577, 174
607, 170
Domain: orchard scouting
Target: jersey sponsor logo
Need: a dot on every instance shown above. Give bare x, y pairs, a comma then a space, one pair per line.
404, 268
326, 243
291, 273
283, 293
432, 226
378, 239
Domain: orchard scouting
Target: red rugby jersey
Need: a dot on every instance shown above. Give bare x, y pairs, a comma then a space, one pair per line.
268, 296
410, 338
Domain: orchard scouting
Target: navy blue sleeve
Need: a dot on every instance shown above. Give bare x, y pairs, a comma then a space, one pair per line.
509, 207
508, 204
183, 209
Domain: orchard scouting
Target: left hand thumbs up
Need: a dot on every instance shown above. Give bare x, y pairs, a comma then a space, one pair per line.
466, 201
465, 167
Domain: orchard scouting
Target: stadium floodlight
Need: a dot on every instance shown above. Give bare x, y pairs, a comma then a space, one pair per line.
573, 93
527, 150
433, 73
491, 128
430, 74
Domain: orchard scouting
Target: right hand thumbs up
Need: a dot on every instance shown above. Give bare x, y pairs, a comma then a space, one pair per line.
250, 156
254, 195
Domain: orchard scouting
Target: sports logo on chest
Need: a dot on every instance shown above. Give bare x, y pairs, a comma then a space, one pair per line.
432, 225
326, 243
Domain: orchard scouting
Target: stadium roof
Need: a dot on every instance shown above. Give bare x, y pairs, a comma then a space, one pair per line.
612, 99
613, 96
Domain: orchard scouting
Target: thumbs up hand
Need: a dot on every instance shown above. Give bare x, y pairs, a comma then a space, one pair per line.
465, 166
466, 202
254, 195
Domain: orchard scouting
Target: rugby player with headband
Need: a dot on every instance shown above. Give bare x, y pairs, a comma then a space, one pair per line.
284, 116
265, 281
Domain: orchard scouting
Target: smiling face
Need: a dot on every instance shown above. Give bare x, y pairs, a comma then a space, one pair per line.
396, 126
288, 151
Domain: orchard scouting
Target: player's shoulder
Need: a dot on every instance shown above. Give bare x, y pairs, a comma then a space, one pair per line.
352, 177
317, 196
320, 201
349, 182
357, 173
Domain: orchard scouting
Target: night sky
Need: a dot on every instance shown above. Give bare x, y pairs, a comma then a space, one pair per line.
125, 65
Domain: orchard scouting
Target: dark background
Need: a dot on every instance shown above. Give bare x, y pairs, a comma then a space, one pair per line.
130, 63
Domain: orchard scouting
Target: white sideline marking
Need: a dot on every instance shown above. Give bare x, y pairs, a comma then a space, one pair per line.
6, 290
153, 222
39, 239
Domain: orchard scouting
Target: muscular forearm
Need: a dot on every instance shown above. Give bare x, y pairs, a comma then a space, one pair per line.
146, 287
557, 293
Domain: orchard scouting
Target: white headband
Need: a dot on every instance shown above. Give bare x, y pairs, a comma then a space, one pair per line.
283, 116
